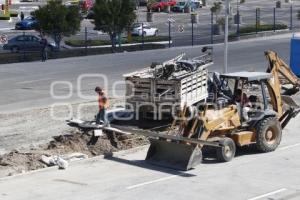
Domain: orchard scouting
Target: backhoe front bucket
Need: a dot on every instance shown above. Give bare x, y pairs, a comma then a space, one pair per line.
173, 155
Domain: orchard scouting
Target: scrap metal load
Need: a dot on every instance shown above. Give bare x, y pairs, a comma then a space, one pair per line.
166, 87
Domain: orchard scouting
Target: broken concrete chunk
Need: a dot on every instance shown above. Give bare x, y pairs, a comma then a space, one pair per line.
49, 161
75, 156
61, 163
55, 160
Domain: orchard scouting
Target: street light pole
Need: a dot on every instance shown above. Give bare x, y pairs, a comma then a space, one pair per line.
226, 37
291, 15
238, 18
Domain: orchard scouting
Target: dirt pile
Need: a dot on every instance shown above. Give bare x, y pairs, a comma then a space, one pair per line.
18, 162
92, 146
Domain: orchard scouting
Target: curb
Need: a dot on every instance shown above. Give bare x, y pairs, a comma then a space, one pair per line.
123, 45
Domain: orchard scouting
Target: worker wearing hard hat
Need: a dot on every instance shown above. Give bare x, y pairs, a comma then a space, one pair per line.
103, 103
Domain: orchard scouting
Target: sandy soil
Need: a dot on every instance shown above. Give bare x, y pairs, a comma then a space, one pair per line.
27, 135
28, 129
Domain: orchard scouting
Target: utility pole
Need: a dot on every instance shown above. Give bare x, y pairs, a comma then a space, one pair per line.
169, 33
212, 28
225, 69
291, 15
238, 18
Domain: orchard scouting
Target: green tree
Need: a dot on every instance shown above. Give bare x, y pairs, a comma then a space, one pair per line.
57, 20
216, 9
113, 17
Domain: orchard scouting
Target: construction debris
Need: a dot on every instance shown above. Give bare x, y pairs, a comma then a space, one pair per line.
55, 160
60, 152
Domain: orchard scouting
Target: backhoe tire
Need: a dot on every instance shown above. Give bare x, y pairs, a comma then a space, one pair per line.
268, 135
227, 152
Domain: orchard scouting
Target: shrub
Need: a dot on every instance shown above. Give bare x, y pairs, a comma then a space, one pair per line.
265, 27
4, 17
13, 14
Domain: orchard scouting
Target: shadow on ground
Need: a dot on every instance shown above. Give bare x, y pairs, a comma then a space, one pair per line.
209, 154
145, 165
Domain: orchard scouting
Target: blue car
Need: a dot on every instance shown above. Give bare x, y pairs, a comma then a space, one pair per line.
27, 43
26, 24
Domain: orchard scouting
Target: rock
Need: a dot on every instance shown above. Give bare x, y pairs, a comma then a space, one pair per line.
49, 161
76, 156
62, 164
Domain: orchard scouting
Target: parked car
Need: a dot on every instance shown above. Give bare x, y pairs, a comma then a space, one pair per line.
84, 5
181, 5
198, 3
26, 24
140, 28
143, 2
90, 14
27, 43
161, 5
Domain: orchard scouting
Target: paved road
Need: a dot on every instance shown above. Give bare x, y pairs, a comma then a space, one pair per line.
249, 176
26, 85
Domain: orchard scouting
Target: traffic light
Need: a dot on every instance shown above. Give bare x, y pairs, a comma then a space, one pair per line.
2, 6
9, 2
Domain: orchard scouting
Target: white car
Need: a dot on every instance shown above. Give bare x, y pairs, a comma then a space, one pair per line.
143, 28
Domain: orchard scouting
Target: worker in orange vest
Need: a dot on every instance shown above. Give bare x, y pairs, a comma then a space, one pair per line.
103, 104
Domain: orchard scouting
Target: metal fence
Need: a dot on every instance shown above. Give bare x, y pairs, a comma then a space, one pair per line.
183, 31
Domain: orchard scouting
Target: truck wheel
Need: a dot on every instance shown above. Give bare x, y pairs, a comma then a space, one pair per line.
268, 135
227, 152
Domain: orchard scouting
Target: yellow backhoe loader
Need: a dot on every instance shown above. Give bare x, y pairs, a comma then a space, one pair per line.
248, 108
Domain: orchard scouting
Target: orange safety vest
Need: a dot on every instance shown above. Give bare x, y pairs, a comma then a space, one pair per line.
103, 102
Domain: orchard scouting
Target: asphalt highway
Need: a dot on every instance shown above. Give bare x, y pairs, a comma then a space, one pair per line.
28, 85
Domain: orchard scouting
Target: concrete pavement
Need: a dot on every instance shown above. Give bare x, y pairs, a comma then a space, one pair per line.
27, 85
249, 176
